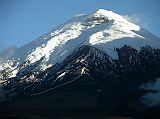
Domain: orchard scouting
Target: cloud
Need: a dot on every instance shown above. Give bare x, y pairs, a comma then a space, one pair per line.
7, 53
152, 98
137, 19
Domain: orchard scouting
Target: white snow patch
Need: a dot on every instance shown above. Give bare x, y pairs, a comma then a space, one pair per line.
43, 67
61, 75
1, 68
84, 70
71, 31
14, 73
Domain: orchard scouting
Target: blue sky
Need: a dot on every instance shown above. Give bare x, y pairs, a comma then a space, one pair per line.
22, 21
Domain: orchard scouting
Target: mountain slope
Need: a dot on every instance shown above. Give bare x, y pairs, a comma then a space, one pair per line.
103, 29
101, 54
116, 86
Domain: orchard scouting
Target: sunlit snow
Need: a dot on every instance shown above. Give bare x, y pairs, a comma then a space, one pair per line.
103, 29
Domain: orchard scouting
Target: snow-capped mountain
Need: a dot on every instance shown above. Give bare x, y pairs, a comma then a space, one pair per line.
102, 50
103, 29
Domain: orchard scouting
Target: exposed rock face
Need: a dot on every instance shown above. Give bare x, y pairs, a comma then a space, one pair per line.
118, 81
115, 62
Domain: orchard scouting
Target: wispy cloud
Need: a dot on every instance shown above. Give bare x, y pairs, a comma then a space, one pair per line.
152, 98
7, 53
137, 19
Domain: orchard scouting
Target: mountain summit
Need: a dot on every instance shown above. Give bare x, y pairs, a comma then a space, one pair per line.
103, 29
101, 54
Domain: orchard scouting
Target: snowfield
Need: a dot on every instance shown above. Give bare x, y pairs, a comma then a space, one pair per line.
103, 29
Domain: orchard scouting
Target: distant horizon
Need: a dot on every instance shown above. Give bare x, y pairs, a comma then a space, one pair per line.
24, 21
